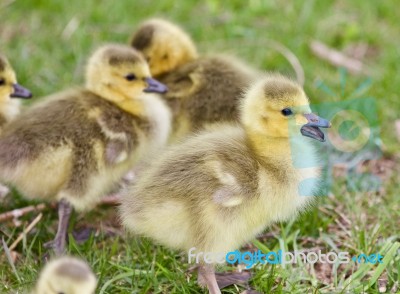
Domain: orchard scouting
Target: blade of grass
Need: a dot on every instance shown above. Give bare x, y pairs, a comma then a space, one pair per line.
388, 251
9, 258
116, 278
385, 262
264, 249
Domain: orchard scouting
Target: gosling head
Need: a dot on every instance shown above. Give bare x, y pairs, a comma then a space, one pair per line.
277, 107
9, 88
120, 73
66, 275
164, 45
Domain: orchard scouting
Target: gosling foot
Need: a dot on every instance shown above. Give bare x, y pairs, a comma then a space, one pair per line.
231, 278
57, 246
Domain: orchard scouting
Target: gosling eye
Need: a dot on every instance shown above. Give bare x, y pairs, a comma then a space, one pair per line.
2, 82
165, 56
130, 77
287, 111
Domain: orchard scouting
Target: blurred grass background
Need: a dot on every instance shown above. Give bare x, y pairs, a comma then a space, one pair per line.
48, 43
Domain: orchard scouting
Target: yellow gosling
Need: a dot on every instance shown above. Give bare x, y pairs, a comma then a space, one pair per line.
66, 275
219, 189
76, 145
202, 90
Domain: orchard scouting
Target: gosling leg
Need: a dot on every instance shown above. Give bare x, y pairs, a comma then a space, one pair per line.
64, 214
207, 278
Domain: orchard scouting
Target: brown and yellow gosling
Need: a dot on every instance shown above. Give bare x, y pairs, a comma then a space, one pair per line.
76, 145
217, 190
202, 90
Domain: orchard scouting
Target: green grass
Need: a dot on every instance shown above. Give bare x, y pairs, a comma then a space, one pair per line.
48, 43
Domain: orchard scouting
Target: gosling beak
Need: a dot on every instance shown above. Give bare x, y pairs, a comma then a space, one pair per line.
154, 86
20, 92
311, 129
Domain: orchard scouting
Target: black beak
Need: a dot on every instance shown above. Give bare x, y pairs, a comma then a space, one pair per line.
20, 92
154, 86
311, 129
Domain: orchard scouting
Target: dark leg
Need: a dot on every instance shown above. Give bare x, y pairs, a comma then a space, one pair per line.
59, 242
207, 278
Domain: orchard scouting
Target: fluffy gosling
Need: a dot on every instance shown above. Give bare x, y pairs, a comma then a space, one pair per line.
219, 189
9, 89
164, 45
76, 145
66, 275
9, 107
202, 90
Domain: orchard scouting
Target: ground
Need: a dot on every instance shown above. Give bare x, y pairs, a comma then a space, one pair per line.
48, 43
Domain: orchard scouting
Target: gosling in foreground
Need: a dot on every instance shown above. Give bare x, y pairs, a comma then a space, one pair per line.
76, 145
220, 188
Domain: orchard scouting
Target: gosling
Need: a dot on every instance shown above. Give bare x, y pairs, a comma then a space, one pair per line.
9, 89
75, 146
219, 189
164, 45
9, 107
67, 275
202, 90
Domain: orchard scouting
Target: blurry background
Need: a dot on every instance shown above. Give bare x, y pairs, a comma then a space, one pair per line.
48, 43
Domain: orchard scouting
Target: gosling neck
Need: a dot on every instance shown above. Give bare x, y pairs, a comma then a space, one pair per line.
116, 96
270, 148
9, 108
